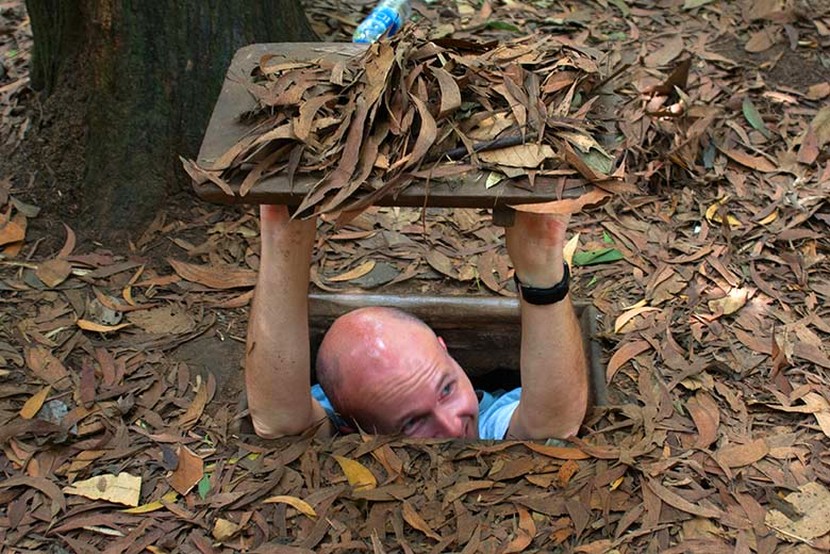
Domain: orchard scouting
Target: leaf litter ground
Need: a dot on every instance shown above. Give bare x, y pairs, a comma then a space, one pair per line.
120, 369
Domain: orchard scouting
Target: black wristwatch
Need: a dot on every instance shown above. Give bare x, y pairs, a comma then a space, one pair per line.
543, 297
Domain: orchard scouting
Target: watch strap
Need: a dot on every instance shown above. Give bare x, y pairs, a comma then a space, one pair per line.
546, 296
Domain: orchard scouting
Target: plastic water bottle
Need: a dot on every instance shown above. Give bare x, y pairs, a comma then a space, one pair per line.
385, 20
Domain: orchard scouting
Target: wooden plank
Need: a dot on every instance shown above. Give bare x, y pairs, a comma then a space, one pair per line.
469, 190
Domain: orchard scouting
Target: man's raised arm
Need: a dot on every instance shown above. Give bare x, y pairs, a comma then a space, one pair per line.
553, 366
277, 359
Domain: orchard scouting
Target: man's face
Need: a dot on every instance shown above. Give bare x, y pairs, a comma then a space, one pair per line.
424, 394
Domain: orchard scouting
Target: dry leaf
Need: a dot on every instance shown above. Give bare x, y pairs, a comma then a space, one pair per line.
670, 50
47, 367
13, 231
215, 277
758, 163
224, 529
567, 206
298, 504
524, 534
358, 475
190, 417
706, 415
87, 325
712, 214
33, 404
629, 315
53, 272
623, 354
121, 489
522, 155
171, 496
417, 522
742, 454
189, 471
354, 273
811, 507
731, 303
675, 500
168, 320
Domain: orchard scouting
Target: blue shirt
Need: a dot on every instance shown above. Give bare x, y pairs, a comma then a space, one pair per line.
494, 411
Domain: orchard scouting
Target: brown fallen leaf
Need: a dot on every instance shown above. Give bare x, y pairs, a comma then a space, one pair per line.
742, 454
354, 273
557, 452
567, 206
297, 503
670, 50
528, 156
121, 489
13, 231
524, 534
47, 367
459, 490
42, 484
758, 163
189, 471
417, 522
191, 416
32, 406
626, 352
675, 500
215, 277
628, 315
450, 94
87, 325
706, 416
53, 272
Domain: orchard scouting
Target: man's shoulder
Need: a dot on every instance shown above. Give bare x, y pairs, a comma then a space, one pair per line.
495, 409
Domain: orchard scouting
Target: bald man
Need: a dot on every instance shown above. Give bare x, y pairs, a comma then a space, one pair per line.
384, 371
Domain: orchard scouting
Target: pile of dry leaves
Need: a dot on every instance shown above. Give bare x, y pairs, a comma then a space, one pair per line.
411, 108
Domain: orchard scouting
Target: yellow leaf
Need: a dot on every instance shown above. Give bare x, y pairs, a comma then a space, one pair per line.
770, 218
171, 496
358, 475
33, 404
713, 215
731, 303
87, 325
616, 484
121, 489
359, 271
224, 529
300, 505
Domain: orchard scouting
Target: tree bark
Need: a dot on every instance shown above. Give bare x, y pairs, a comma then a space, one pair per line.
145, 76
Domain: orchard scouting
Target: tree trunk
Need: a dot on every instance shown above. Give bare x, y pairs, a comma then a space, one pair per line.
144, 76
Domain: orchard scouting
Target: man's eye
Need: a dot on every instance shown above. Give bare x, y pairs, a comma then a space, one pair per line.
447, 390
409, 425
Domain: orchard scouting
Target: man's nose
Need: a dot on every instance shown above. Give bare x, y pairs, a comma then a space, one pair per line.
449, 424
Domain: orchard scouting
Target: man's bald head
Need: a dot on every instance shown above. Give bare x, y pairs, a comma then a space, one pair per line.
362, 345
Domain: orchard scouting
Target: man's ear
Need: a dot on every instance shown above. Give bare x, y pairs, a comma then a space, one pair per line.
442, 343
